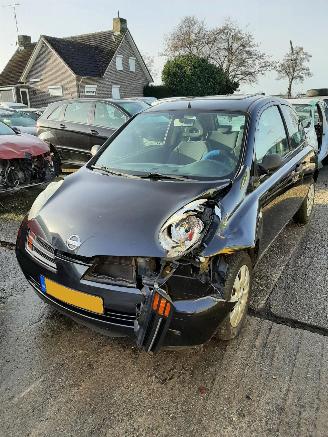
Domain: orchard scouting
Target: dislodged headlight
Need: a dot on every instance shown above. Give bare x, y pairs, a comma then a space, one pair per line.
183, 230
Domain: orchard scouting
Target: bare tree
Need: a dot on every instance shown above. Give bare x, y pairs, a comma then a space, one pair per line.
150, 63
229, 47
293, 67
189, 37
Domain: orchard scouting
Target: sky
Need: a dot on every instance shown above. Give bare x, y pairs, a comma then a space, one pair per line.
272, 22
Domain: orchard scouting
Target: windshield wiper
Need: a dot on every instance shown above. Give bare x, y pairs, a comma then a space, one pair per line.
110, 171
159, 176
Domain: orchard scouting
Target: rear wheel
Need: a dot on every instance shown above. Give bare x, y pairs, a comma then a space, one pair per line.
304, 213
236, 289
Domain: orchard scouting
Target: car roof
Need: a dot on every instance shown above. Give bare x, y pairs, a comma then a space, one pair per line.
233, 102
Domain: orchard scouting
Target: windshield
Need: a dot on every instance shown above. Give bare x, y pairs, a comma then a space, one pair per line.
204, 145
133, 107
305, 114
17, 119
5, 130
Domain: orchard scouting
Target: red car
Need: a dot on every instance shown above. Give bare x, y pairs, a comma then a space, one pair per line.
25, 160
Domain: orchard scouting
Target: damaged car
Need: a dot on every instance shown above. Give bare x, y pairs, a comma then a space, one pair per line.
25, 160
157, 236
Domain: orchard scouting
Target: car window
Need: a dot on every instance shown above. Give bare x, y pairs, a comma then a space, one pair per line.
78, 112
316, 115
109, 116
294, 126
57, 113
133, 107
270, 135
6, 130
17, 119
188, 144
305, 113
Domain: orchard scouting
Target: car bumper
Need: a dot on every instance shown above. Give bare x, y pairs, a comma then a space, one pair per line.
193, 321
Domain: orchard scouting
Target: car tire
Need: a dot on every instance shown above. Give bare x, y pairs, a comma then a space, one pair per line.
239, 269
303, 215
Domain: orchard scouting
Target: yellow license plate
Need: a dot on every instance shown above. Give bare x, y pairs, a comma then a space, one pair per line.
72, 297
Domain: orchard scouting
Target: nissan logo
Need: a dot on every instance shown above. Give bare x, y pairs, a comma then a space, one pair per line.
73, 242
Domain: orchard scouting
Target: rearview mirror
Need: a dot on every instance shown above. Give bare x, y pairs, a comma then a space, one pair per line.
270, 163
95, 149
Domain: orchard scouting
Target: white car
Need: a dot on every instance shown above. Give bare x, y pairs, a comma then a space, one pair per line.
312, 112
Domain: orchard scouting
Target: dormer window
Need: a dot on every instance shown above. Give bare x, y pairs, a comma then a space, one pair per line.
132, 64
119, 62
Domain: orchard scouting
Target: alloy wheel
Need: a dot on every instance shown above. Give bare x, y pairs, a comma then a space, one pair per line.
240, 292
310, 200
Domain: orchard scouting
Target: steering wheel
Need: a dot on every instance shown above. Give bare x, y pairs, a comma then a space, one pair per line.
217, 153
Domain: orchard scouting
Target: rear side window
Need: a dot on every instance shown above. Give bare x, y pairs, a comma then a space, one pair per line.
270, 135
294, 126
109, 116
57, 114
78, 112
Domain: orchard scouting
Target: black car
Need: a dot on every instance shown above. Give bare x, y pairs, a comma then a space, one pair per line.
157, 236
72, 127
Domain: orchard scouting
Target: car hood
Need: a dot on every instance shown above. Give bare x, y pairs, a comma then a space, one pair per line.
113, 215
16, 146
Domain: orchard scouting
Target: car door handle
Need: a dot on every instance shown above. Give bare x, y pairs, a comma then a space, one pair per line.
62, 126
94, 132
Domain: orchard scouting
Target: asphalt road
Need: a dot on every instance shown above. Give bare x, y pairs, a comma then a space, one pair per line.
60, 379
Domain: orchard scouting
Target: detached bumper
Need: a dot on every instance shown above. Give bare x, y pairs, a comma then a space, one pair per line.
191, 322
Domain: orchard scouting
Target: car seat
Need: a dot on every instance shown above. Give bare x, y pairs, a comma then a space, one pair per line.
191, 148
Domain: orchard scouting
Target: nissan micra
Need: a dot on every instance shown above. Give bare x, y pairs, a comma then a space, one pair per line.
156, 237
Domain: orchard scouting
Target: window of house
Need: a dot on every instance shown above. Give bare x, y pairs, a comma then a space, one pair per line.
116, 92
270, 137
294, 126
107, 115
90, 90
132, 64
119, 62
78, 112
55, 90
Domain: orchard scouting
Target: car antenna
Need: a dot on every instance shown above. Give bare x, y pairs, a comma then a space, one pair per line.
189, 105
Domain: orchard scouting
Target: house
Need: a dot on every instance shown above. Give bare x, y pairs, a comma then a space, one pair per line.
104, 64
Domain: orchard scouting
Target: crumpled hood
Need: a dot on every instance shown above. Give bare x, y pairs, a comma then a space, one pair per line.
114, 215
16, 146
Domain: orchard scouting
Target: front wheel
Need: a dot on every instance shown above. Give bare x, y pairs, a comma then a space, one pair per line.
237, 289
304, 213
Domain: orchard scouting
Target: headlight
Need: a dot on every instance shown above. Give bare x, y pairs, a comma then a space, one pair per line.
184, 230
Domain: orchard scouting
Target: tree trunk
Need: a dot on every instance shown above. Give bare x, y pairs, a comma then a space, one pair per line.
289, 91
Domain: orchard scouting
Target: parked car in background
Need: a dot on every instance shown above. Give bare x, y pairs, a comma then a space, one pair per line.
312, 113
18, 121
24, 160
20, 107
72, 127
157, 236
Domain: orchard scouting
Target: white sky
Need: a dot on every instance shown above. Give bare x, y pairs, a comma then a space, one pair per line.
273, 23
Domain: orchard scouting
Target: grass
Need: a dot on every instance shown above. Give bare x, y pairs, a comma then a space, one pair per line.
14, 206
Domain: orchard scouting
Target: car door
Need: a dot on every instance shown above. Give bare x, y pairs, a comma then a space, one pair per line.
107, 119
321, 129
75, 136
280, 191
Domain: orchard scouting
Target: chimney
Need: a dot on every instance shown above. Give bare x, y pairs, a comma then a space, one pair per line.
23, 41
120, 25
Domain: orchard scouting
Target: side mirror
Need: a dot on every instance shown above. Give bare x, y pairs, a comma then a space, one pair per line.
95, 149
16, 130
270, 163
